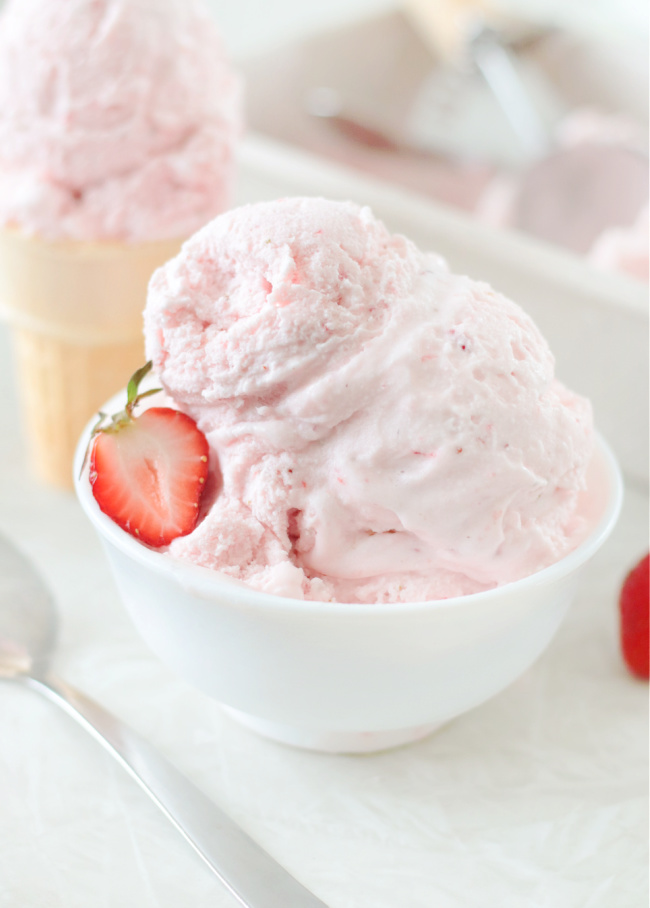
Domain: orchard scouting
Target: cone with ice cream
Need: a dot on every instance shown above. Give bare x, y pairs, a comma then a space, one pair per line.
118, 123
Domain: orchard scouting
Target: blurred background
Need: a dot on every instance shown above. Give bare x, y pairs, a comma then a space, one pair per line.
250, 26
527, 114
509, 135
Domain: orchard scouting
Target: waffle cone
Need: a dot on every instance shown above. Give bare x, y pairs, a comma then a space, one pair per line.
76, 316
61, 385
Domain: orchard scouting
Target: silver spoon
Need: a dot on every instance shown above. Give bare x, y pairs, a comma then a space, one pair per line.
28, 625
440, 123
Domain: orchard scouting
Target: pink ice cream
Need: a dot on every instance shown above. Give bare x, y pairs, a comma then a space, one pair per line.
385, 430
118, 118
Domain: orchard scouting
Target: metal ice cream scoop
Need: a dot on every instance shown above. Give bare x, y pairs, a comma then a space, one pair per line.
28, 630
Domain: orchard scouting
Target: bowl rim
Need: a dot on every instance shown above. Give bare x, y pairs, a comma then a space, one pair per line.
205, 582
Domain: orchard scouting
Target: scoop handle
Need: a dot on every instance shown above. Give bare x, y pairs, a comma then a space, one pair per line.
250, 874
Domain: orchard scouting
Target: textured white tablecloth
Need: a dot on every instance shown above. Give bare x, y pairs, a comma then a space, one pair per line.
538, 798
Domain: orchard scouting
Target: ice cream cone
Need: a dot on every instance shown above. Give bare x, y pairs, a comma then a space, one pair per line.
76, 315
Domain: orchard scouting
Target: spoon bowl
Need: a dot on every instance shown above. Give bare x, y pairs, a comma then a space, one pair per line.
28, 620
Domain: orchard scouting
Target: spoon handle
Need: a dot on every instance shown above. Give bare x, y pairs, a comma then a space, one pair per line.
250, 874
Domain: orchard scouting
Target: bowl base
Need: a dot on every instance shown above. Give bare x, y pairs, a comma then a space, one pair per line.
340, 742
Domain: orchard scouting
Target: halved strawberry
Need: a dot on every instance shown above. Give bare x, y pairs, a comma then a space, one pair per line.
148, 472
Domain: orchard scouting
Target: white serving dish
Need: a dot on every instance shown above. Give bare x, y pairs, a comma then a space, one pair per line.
339, 677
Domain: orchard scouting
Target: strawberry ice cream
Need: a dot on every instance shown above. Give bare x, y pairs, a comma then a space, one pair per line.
117, 119
118, 123
381, 429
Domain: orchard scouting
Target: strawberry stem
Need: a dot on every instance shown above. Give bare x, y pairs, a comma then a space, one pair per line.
134, 383
133, 396
125, 416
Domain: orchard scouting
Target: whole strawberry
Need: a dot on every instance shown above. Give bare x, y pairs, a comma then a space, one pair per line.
148, 472
634, 605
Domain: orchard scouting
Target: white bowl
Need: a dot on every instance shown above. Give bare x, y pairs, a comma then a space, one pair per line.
338, 677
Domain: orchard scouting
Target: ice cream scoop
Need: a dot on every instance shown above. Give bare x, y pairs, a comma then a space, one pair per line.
384, 430
118, 120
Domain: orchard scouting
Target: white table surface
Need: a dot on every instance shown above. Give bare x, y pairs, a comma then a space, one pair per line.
538, 798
